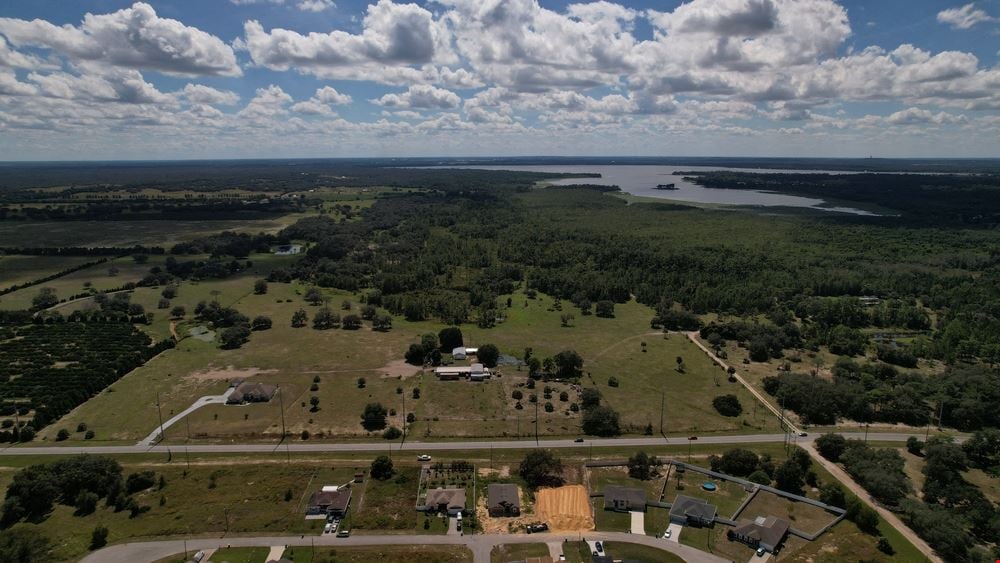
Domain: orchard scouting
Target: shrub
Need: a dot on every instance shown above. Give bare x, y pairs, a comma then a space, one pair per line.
728, 405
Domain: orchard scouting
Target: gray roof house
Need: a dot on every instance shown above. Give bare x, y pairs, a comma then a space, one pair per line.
624, 499
247, 392
689, 511
451, 501
330, 502
763, 532
503, 500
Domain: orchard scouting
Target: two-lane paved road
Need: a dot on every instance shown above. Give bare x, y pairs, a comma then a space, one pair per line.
411, 446
480, 544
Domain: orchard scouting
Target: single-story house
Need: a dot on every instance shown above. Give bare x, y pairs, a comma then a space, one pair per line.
503, 499
248, 392
331, 501
624, 499
451, 501
458, 353
689, 511
287, 249
767, 533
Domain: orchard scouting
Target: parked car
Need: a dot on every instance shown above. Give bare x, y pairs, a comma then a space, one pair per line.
198, 557
600, 548
538, 528
667, 534
327, 528
579, 440
343, 533
423, 457
803, 434
760, 552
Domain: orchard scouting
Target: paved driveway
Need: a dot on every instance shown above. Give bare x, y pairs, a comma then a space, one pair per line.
638, 522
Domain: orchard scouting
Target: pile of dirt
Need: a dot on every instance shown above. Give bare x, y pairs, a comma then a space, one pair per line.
564, 509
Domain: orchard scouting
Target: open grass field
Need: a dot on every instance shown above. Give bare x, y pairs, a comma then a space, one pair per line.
805, 517
518, 552
15, 270
646, 554
245, 499
292, 358
388, 506
101, 277
126, 233
240, 555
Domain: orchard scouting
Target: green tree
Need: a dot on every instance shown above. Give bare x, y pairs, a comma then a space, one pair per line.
831, 446
24, 544
541, 467
605, 308
260, 322
568, 364
488, 354
373, 417
260, 287
234, 336
313, 296
788, 477
352, 322
450, 338
299, 318
642, 466
325, 319
382, 322
45, 298
728, 405
738, 462
601, 421
381, 468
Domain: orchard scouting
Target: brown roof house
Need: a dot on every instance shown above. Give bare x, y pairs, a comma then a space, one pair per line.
247, 392
689, 511
330, 502
503, 500
624, 499
450, 501
763, 532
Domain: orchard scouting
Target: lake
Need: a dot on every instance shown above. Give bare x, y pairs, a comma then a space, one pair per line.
641, 180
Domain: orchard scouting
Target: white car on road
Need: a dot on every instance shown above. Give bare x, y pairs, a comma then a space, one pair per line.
423, 457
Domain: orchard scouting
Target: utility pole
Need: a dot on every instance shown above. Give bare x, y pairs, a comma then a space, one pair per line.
662, 398
940, 412
281, 405
187, 419
404, 416
536, 422
187, 458
159, 413
866, 432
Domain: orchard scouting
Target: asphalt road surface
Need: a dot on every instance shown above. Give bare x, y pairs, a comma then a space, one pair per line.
480, 544
421, 447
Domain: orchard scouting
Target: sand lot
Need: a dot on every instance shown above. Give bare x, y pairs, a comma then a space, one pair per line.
565, 509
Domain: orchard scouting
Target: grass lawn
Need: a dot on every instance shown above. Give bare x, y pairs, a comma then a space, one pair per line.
646, 554
101, 277
727, 497
292, 358
657, 521
518, 552
805, 517
125, 233
15, 270
240, 555
609, 520
389, 506
384, 554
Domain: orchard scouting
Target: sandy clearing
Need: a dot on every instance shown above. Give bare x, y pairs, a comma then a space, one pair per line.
399, 368
564, 509
217, 374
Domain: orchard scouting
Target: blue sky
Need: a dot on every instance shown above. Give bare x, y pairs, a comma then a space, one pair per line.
318, 78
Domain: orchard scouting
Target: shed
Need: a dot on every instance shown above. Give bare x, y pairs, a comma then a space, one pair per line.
689, 511
458, 353
503, 500
624, 499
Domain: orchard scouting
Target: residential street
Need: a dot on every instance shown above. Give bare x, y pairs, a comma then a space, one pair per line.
481, 545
